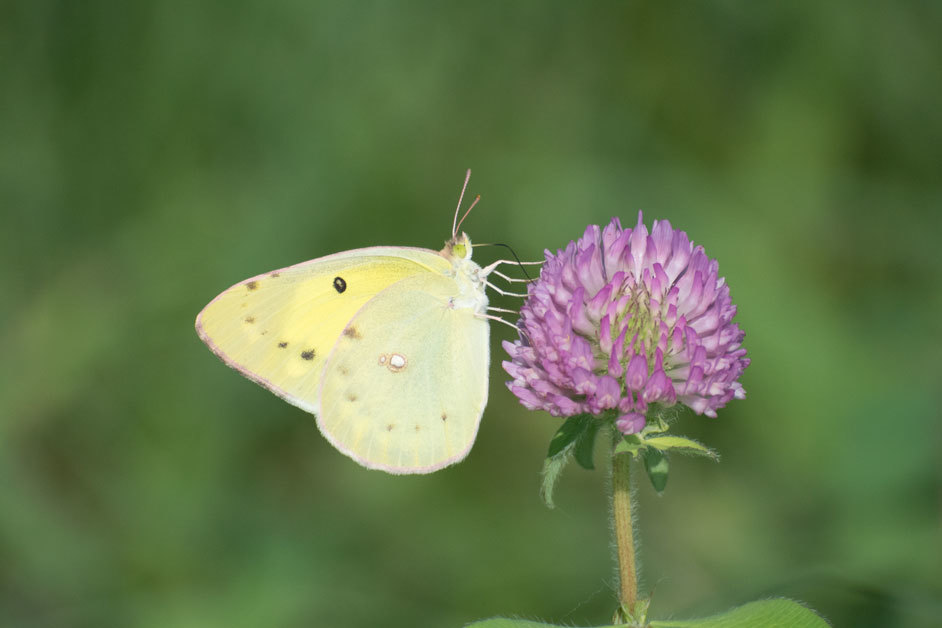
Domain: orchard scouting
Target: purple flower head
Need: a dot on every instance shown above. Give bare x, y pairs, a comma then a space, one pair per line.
624, 318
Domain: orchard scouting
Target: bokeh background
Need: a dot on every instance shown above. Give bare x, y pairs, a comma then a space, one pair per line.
154, 153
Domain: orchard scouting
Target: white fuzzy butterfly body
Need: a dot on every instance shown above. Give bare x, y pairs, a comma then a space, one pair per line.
388, 346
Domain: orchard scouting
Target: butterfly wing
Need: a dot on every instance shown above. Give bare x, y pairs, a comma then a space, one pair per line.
406, 383
277, 329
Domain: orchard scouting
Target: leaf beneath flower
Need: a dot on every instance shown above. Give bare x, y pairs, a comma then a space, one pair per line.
585, 445
575, 437
681, 445
568, 432
763, 614
552, 468
776, 613
629, 444
656, 465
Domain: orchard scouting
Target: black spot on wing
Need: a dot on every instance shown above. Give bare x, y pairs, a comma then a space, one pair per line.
250, 319
308, 355
444, 416
351, 332
274, 274
252, 285
282, 345
340, 284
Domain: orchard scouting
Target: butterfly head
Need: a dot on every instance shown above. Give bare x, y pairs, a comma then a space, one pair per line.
459, 247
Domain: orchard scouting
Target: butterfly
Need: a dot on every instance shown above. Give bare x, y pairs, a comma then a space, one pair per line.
388, 346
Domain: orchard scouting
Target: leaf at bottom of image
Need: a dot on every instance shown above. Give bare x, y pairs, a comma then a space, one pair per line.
776, 613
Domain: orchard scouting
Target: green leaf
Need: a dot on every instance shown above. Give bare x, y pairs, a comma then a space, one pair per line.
552, 468
681, 444
585, 445
569, 439
568, 432
655, 463
655, 425
763, 614
777, 613
501, 622
629, 444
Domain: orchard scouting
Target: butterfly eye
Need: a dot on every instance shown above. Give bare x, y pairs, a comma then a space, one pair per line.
339, 284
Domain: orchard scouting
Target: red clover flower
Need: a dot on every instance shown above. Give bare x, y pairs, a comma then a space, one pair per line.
625, 318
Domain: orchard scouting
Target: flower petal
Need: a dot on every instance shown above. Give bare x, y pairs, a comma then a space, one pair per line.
630, 423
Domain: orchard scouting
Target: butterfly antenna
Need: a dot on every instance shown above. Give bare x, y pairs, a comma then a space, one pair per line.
473, 203
455, 223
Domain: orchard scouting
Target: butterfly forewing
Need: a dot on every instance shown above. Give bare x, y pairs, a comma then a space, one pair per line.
278, 328
406, 383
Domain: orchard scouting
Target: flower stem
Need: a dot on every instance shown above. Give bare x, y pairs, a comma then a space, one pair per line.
624, 530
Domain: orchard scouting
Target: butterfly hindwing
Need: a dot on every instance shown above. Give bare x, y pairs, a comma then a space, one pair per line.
406, 383
278, 328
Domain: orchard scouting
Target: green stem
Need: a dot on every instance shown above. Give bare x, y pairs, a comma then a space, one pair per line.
624, 530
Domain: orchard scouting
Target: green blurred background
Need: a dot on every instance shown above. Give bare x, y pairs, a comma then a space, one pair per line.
152, 154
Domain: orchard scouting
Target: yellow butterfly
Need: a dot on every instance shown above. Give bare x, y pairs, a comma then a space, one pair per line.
387, 346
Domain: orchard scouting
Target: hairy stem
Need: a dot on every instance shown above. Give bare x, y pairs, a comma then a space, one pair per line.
624, 531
